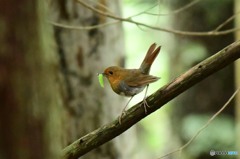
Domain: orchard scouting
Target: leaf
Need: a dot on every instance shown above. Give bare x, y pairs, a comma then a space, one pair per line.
100, 79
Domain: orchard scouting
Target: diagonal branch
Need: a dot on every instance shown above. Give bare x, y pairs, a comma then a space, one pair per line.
197, 73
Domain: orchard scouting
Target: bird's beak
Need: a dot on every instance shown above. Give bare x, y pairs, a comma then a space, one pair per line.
102, 74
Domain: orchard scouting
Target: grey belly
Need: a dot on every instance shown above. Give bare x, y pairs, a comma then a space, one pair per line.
131, 91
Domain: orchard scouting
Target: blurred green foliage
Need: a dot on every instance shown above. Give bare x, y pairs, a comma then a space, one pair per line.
218, 136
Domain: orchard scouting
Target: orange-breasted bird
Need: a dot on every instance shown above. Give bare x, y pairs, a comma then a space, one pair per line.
129, 82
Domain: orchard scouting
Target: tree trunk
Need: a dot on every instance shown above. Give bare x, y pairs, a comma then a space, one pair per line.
30, 99
83, 54
237, 80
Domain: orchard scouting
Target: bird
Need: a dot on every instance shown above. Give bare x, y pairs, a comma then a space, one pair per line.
129, 82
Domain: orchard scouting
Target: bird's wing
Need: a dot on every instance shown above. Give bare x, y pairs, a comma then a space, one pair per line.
140, 80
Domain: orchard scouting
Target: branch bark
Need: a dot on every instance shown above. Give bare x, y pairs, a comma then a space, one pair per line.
165, 94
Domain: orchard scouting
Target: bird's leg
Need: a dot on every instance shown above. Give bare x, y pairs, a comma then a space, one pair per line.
145, 104
123, 111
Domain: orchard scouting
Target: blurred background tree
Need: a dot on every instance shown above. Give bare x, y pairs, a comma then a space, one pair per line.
237, 78
83, 54
30, 99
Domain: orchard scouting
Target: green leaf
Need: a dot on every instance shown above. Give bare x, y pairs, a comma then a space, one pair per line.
100, 79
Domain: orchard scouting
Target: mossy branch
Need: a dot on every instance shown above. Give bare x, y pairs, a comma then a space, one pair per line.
165, 94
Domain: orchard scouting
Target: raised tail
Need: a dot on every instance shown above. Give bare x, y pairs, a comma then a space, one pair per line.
149, 58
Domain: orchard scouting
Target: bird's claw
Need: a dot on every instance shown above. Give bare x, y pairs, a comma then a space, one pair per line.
120, 117
145, 105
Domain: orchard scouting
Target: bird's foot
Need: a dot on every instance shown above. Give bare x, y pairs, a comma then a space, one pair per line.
120, 117
145, 105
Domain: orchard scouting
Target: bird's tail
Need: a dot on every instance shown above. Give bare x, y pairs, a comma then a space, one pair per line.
149, 58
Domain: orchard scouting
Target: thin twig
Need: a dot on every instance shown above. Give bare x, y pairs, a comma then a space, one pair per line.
103, 6
215, 32
204, 126
226, 22
144, 11
178, 32
177, 11
65, 26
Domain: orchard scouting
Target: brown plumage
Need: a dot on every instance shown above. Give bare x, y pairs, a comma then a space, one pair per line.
129, 82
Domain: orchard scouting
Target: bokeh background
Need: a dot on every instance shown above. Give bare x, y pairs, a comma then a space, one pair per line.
177, 122
50, 55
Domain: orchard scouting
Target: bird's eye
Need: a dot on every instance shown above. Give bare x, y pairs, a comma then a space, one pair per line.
110, 72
